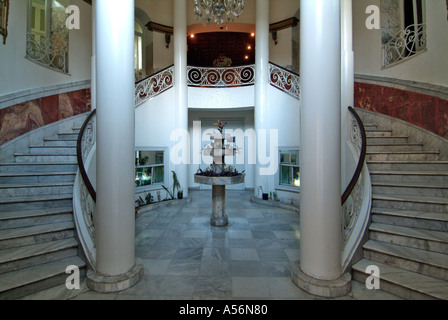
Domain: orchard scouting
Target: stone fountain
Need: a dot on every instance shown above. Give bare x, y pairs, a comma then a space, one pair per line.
219, 176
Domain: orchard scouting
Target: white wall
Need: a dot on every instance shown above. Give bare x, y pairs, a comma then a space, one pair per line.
428, 67
221, 98
18, 74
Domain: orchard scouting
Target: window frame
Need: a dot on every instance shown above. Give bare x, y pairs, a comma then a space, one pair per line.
157, 186
278, 185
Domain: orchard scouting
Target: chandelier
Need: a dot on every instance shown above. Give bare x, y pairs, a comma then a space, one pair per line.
218, 11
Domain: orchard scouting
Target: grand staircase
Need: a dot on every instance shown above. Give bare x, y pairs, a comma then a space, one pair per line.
408, 235
37, 232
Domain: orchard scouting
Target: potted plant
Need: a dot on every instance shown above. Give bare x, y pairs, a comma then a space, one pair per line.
265, 196
180, 194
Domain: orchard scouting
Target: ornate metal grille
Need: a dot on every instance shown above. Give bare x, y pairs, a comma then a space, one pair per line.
221, 77
285, 80
46, 52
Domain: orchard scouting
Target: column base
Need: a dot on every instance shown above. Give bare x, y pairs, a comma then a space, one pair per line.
322, 288
219, 221
110, 284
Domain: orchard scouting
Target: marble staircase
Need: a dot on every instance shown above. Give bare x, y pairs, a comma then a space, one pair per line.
408, 234
37, 232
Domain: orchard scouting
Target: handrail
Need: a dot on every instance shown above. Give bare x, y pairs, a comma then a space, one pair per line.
362, 157
154, 74
81, 166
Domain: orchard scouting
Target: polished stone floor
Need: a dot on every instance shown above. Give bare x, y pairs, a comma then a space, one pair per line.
187, 259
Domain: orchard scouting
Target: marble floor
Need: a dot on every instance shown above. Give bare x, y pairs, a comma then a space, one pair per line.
187, 259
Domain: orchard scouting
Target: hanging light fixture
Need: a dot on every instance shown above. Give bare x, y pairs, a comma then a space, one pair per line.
217, 11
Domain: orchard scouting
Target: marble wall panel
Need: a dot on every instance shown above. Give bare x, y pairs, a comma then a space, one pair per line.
24, 117
425, 111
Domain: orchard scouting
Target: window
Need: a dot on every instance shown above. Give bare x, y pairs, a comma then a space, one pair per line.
149, 168
47, 41
289, 173
138, 47
403, 29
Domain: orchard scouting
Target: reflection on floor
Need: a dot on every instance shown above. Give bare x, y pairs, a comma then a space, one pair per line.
187, 259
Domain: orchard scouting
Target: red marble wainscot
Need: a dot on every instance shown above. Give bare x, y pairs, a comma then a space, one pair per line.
25, 117
428, 112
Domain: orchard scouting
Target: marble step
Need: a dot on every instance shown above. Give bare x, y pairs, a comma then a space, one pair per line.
432, 264
28, 256
397, 165
36, 177
387, 139
20, 283
37, 189
39, 167
406, 202
35, 202
434, 241
56, 150
68, 136
408, 147
429, 155
411, 218
59, 143
374, 132
16, 238
403, 283
409, 176
411, 188
29, 218
26, 158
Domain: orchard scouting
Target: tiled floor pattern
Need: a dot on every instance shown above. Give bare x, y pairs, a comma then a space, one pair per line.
185, 258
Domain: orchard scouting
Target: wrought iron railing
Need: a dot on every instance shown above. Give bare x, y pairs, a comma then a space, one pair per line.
46, 52
154, 85
221, 77
404, 45
285, 80
357, 198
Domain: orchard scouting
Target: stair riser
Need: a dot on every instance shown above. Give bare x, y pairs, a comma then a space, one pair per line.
68, 136
394, 148
371, 133
422, 268
31, 167
60, 143
430, 192
37, 286
427, 245
422, 178
35, 221
37, 179
411, 222
393, 288
34, 239
45, 158
402, 157
34, 205
408, 166
386, 140
424, 207
34, 261
35, 191
53, 150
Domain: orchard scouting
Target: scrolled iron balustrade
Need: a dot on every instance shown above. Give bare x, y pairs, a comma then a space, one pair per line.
42, 50
221, 77
285, 80
404, 44
154, 85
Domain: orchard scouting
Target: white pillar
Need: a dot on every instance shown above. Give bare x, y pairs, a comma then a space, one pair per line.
348, 79
180, 87
320, 211
116, 267
261, 114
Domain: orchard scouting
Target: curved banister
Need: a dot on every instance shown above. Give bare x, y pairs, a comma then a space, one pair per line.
79, 157
154, 74
362, 158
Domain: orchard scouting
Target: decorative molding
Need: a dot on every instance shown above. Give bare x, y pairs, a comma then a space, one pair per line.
4, 14
284, 24
157, 27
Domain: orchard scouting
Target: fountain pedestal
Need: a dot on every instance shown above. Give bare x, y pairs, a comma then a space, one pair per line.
219, 216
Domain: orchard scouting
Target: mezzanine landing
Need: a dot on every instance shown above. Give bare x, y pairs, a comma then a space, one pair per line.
185, 258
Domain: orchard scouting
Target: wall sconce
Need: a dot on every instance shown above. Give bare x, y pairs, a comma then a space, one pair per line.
275, 37
167, 40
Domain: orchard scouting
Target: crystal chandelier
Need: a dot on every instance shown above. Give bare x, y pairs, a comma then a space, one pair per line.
218, 11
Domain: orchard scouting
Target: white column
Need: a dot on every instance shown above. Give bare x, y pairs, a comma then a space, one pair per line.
320, 211
261, 113
115, 216
180, 87
348, 79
